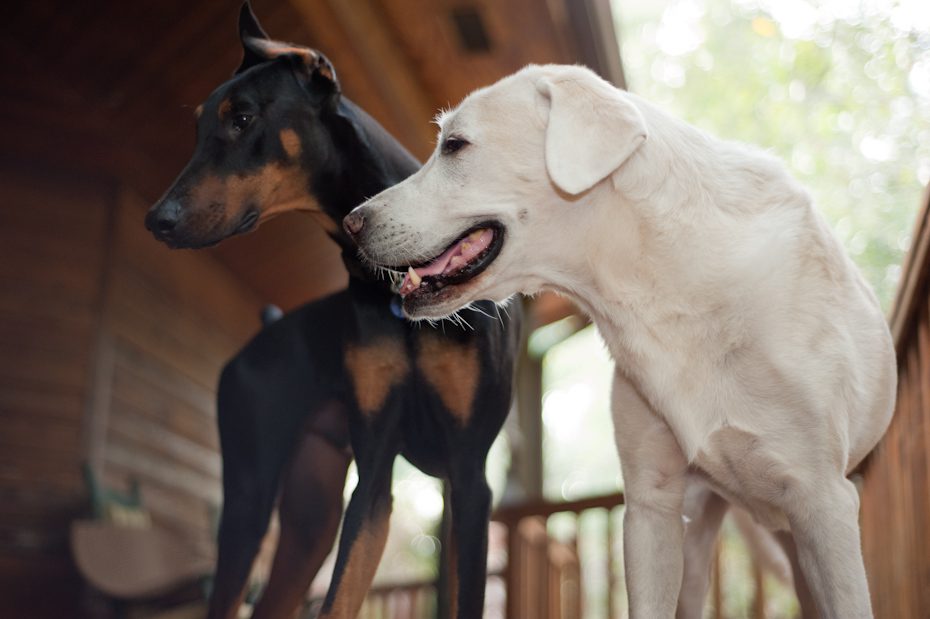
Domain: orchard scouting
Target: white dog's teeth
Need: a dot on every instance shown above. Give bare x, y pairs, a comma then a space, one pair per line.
456, 262
474, 236
414, 276
465, 246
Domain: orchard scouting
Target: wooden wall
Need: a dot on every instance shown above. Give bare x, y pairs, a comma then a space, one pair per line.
895, 485
110, 350
168, 322
52, 230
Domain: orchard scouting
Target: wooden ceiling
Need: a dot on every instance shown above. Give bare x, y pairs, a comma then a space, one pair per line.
108, 88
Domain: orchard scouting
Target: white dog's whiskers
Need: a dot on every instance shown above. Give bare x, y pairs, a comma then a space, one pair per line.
473, 306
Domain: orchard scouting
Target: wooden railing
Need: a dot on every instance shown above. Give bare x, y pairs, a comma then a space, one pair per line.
543, 578
413, 600
895, 477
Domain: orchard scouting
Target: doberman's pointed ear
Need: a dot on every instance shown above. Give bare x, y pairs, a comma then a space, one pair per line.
323, 83
249, 32
257, 48
248, 23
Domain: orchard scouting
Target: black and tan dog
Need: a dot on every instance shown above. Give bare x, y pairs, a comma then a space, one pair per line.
279, 136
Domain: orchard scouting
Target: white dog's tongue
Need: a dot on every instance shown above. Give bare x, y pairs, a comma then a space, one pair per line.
450, 260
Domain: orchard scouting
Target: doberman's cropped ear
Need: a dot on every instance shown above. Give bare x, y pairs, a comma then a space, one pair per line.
312, 65
258, 47
322, 81
593, 128
249, 30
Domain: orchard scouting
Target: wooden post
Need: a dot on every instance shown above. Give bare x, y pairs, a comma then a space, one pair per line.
718, 587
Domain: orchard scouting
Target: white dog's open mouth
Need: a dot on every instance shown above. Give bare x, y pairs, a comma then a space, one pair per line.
461, 262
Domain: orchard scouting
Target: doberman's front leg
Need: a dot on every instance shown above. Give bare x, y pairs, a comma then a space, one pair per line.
471, 511
260, 423
364, 528
250, 487
309, 509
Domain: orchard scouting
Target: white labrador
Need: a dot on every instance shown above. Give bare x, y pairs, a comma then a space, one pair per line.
750, 352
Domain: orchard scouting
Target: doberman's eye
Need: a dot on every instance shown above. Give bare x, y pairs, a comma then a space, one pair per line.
453, 144
241, 121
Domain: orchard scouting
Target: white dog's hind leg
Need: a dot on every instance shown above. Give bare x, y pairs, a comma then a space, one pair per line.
654, 471
825, 527
705, 509
821, 506
805, 597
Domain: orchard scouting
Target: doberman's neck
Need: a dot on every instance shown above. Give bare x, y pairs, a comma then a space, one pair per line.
369, 161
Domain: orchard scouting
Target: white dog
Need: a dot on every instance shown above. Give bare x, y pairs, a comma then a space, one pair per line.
750, 352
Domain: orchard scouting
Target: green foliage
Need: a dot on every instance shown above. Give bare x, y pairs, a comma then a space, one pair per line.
841, 93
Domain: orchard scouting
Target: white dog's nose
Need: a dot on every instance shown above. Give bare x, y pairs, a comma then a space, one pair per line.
353, 222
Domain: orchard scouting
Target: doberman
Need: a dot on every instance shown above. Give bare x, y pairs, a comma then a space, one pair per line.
347, 369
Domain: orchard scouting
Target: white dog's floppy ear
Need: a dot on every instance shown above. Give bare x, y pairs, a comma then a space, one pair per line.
593, 128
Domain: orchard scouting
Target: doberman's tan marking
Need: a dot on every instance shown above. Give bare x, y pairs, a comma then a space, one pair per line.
452, 370
291, 143
361, 566
223, 108
277, 188
375, 369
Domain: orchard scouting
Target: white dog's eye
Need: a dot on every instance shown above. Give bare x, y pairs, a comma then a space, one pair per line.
453, 144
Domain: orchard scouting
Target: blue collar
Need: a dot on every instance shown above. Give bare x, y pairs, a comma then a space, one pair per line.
397, 307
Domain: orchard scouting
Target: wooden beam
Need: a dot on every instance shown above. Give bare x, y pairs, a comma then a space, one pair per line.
914, 273
545, 508
394, 77
591, 25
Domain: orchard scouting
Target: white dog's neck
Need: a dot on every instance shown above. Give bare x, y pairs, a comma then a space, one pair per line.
667, 260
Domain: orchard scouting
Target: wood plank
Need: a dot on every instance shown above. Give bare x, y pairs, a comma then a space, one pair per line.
46, 337
37, 404
60, 273
62, 436
20, 241
154, 372
55, 470
25, 296
38, 368
288, 261
914, 273
196, 281
396, 78
26, 578
160, 344
136, 308
133, 430
170, 474
190, 517
143, 399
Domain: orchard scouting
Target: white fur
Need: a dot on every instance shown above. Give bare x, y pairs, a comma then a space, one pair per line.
751, 354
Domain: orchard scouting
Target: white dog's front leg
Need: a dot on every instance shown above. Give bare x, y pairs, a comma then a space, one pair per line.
654, 472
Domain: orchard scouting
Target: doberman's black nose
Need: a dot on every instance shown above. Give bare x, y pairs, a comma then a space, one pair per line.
163, 219
354, 222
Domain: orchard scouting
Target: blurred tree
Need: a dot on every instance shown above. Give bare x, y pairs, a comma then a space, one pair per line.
839, 90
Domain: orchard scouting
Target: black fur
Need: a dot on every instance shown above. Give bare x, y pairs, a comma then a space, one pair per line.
288, 406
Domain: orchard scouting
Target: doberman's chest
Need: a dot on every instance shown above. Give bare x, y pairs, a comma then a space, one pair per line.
427, 376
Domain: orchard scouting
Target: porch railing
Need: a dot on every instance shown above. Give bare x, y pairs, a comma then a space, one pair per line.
543, 577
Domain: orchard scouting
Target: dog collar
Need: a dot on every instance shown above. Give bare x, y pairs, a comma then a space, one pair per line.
397, 306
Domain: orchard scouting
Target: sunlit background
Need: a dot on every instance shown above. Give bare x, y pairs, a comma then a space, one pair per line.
839, 90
